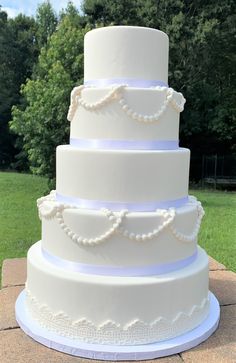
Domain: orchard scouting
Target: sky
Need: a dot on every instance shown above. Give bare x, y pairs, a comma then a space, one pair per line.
28, 7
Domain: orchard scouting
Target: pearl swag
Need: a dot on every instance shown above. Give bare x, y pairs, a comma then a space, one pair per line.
115, 93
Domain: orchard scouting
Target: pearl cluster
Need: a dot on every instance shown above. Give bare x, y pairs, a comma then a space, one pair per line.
47, 210
178, 107
115, 93
73, 104
48, 198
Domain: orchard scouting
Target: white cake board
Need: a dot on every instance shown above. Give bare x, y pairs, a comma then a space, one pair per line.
116, 353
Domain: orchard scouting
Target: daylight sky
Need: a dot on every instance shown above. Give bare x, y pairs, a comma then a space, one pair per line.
28, 7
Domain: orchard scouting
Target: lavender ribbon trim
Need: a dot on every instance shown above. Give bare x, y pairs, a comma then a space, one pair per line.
124, 144
118, 270
118, 206
140, 83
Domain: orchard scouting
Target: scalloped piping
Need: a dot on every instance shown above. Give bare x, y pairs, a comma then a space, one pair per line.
115, 93
49, 211
111, 332
92, 241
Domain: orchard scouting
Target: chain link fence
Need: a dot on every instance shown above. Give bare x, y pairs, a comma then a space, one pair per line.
217, 171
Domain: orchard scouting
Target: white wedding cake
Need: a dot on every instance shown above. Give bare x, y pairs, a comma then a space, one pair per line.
118, 263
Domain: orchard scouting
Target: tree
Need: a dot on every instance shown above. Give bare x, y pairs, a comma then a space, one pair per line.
17, 56
20, 40
42, 122
6, 74
47, 21
104, 12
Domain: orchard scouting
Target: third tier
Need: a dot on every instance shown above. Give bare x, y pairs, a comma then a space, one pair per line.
122, 176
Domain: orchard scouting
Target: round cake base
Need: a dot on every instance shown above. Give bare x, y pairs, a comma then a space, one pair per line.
115, 353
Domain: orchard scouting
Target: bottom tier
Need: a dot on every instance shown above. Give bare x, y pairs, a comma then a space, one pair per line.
116, 310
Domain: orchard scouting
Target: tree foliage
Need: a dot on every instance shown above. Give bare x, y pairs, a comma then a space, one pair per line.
42, 123
17, 57
201, 62
46, 20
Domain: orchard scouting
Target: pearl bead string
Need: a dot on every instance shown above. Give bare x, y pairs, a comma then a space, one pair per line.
190, 238
117, 219
147, 118
76, 99
73, 104
111, 95
115, 94
90, 241
168, 219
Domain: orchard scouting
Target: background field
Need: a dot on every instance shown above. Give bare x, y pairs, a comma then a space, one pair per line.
19, 222
20, 225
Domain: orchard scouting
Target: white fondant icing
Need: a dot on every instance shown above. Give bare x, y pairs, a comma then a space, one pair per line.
110, 332
122, 175
126, 52
172, 298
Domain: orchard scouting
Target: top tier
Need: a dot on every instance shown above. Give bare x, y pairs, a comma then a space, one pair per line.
126, 52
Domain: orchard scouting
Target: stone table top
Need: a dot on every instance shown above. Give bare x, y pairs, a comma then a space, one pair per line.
17, 347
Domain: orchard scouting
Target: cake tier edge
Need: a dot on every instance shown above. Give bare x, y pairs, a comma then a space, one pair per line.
131, 176
126, 52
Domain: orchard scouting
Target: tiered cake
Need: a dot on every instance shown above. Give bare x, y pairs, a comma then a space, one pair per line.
118, 263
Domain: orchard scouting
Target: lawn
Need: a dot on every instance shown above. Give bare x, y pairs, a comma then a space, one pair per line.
19, 222
218, 230
20, 225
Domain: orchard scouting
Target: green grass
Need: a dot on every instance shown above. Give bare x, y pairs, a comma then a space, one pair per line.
20, 225
19, 222
218, 230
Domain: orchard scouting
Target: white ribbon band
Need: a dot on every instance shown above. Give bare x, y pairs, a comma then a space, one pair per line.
124, 144
139, 83
130, 271
118, 206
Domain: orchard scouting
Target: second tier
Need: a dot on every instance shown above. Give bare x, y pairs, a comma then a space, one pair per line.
122, 242
143, 180
123, 115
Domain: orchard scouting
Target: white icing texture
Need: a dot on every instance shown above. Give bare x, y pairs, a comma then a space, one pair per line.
126, 52
110, 332
120, 301
122, 175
